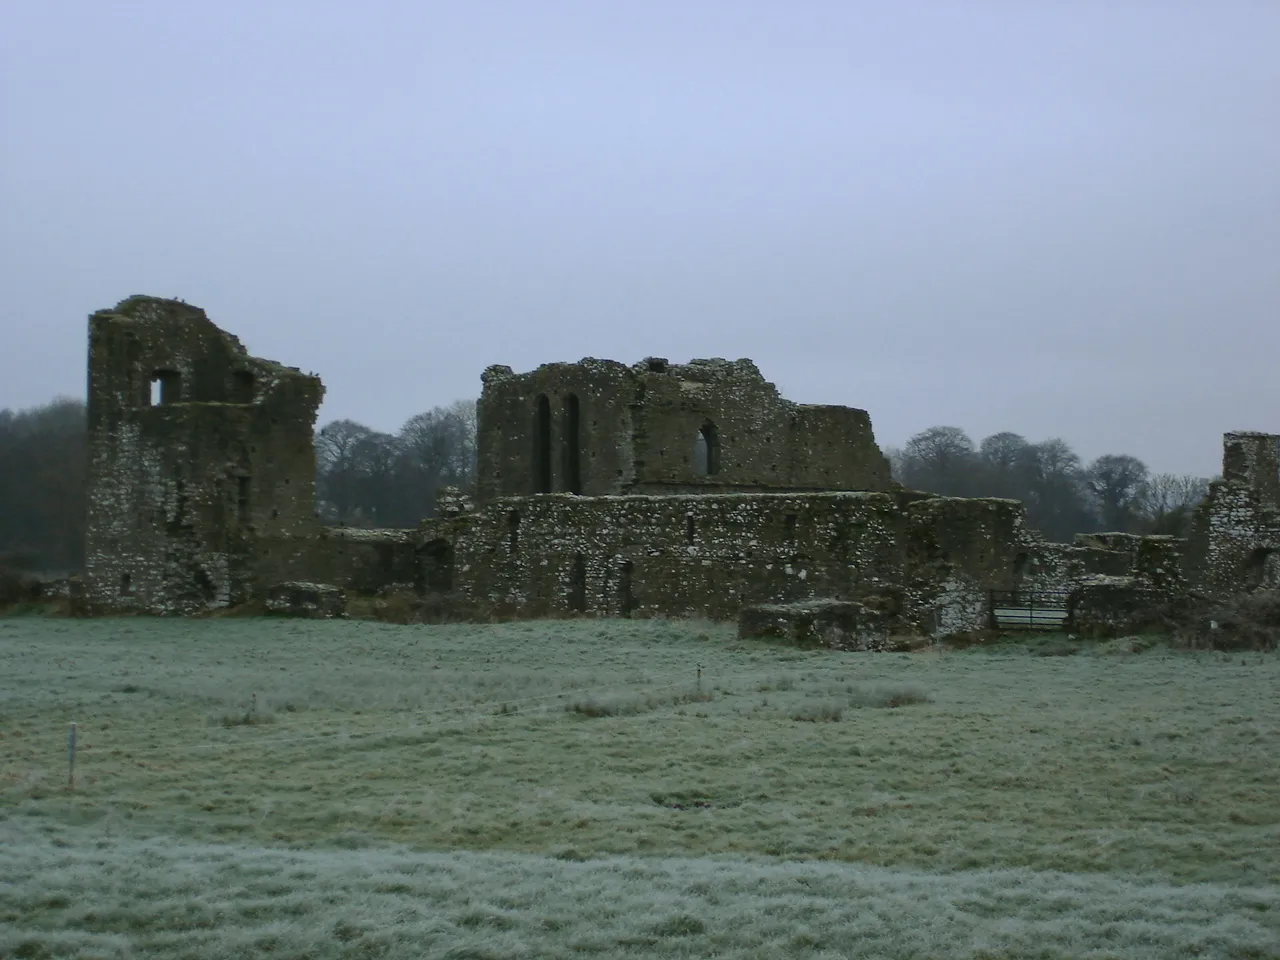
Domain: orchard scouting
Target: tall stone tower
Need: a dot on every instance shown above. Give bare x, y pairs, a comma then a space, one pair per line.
197, 452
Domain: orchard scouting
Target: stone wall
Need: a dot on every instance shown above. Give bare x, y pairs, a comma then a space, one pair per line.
196, 452
1234, 545
359, 561
710, 426
707, 555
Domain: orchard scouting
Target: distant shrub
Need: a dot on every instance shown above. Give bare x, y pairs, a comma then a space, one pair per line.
251, 714
404, 608
1123, 645
1247, 622
1058, 648
783, 683
817, 712
887, 696
19, 589
630, 705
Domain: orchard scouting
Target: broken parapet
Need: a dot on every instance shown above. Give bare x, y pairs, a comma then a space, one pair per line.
1235, 532
833, 624
317, 601
452, 502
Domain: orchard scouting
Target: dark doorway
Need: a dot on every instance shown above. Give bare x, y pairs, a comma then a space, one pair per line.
1260, 568
572, 459
437, 566
542, 445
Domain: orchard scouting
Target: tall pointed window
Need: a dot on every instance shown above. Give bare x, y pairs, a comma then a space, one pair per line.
542, 445
706, 450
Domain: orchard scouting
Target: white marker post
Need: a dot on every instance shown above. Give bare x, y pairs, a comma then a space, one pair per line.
71, 757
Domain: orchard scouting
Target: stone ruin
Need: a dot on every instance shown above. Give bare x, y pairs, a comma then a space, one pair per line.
603, 489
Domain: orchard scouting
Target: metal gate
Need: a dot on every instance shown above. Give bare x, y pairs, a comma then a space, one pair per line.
1030, 609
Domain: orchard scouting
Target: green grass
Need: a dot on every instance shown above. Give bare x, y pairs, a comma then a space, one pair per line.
288, 788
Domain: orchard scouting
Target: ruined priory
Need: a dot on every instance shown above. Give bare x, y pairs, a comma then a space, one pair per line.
655, 489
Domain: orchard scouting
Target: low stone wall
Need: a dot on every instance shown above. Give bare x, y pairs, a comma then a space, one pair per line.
707, 556
361, 561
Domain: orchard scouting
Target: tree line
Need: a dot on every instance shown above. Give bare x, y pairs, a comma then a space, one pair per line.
1063, 495
366, 478
43, 460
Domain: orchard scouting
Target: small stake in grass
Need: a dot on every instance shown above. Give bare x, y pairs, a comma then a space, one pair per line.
699, 678
71, 757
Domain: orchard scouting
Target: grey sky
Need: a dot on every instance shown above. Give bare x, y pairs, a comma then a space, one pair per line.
1060, 217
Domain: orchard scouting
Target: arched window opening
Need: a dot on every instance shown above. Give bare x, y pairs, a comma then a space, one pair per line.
542, 445
572, 451
166, 387
706, 450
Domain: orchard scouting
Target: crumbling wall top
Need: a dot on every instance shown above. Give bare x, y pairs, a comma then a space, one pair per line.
1253, 459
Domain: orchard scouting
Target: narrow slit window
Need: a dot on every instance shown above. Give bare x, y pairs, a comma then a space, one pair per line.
542, 445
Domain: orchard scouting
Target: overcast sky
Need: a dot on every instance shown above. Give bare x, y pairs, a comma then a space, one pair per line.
1059, 217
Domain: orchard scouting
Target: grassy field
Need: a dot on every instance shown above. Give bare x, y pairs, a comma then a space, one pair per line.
352, 789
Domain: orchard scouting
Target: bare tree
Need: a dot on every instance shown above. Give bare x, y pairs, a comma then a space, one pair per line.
1167, 500
940, 460
1117, 482
367, 478
338, 480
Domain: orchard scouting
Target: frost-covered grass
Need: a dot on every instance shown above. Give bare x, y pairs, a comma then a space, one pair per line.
356, 789
117, 896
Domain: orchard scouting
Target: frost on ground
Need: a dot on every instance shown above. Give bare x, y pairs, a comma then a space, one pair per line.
83, 894
277, 788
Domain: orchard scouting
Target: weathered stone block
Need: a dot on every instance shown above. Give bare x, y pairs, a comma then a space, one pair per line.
834, 624
319, 601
